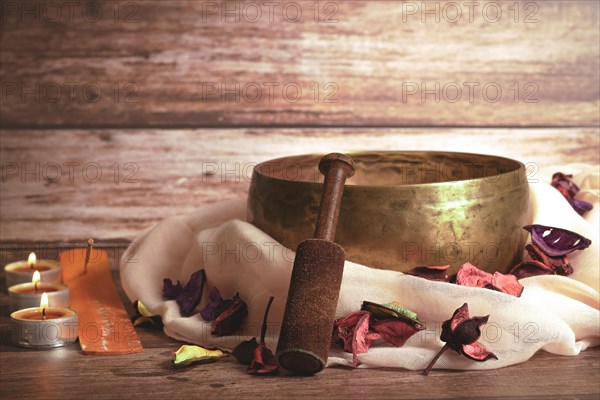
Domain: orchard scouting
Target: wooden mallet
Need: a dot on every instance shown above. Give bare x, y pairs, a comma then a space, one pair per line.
309, 315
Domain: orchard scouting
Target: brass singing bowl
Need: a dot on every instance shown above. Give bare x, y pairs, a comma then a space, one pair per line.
403, 209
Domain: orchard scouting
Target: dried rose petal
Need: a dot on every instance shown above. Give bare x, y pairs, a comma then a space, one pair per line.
470, 275
244, 352
478, 352
264, 362
556, 242
231, 319
529, 268
433, 273
192, 293
390, 322
171, 291
215, 306
461, 334
541, 264
507, 284
395, 331
354, 332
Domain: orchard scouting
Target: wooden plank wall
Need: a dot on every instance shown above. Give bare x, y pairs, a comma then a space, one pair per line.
153, 93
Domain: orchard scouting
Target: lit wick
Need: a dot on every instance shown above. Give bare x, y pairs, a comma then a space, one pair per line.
31, 260
44, 304
88, 252
36, 279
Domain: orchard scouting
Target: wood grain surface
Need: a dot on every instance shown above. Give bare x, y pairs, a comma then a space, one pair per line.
177, 63
110, 184
67, 374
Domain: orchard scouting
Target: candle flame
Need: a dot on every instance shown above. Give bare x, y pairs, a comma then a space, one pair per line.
44, 301
32, 259
36, 277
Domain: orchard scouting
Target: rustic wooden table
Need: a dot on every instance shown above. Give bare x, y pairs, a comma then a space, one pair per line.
67, 374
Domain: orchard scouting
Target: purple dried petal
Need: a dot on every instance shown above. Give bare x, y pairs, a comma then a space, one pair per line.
192, 293
580, 206
433, 273
215, 306
171, 291
556, 242
568, 189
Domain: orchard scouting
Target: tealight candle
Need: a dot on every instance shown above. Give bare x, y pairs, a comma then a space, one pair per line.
27, 295
44, 327
22, 271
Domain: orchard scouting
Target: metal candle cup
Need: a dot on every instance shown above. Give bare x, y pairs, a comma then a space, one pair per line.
21, 272
24, 295
31, 330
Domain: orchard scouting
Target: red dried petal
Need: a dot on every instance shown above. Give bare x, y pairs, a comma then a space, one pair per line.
231, 319
507, 284
477, 351
244, 352
354, 332
470, 275
529, 268
433, 272
553, 265
346, 327
460, 329
461, 334
360, 342
564, 184
395, 331
460, 315
264, 362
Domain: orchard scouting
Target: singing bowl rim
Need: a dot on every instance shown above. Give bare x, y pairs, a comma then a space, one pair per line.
515, 167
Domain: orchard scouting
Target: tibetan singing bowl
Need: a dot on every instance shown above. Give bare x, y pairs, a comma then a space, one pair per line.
403, 209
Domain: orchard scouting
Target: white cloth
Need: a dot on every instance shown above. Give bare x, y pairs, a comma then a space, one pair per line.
558, 314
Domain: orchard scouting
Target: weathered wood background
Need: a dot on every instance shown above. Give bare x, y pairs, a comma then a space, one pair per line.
116, 114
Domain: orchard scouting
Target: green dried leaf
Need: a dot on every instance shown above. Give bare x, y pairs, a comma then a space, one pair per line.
188, 354
391, 310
